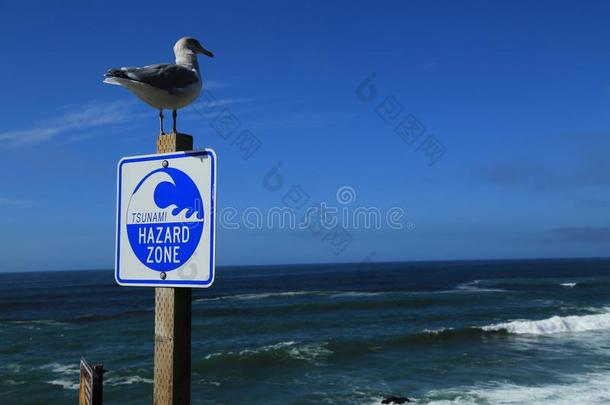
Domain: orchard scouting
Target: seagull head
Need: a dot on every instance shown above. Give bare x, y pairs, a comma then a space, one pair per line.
191, 44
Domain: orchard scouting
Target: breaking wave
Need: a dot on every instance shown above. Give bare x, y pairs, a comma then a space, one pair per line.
470, 287
355, 294
475, 286
554, 324
549, 326
69, 373
312, 353
591, 388
260, 296
133, 379
65, 384
64, 369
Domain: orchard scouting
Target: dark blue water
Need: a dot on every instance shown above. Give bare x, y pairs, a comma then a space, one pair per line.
504, 332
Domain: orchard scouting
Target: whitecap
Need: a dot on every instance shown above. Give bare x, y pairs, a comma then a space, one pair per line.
474, 286
243, 352
203, 381
65, 384
258, 296
554, 324
67, 369
308, 352
13, 382
311, 352
127, 380
274, 295
14, 367
355, 294
591, 388
437, 331
37, 322
569, 285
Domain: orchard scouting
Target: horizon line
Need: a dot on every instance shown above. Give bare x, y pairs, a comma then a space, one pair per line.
370, 263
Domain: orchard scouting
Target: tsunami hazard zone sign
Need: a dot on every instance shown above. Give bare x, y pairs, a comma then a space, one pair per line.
165, 225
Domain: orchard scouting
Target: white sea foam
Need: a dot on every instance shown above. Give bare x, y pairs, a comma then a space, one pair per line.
288, 294
37, 322
586, 389
243, 352
475, 286
14, 367
597, 310
274, 295
466, 287
133, 379
309, 352
70, 371
65, 384
555, 324
437, 331
66, 369
258, 296
569, 285
203, 381
355, 294
13, 382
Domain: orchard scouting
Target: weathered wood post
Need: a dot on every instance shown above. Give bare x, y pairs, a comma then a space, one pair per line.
172, 377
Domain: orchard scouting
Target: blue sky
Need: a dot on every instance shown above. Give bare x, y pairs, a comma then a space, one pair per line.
517, 94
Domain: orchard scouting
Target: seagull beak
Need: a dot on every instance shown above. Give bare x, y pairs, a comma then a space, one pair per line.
206, 52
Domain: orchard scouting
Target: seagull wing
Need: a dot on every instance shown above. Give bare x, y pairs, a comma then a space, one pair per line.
168, 77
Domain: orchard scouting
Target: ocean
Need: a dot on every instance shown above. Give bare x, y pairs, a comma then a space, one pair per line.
470, 332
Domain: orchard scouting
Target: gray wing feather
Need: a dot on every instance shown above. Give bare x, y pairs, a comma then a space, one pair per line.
163, 76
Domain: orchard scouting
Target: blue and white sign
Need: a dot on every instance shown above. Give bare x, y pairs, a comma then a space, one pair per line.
166, 220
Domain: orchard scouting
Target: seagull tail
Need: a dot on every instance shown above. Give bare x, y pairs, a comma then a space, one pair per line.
113, 80
115, 76
114, 72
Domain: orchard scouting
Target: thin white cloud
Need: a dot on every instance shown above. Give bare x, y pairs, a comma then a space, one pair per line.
17, 202
302, 120
210, 107
221, 102
91, 116
214, 84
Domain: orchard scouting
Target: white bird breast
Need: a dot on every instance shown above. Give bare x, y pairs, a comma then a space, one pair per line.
158, 98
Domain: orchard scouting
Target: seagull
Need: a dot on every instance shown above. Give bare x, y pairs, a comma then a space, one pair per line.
168, 85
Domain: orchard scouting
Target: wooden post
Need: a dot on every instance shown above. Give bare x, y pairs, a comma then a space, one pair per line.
172, 385
98, 384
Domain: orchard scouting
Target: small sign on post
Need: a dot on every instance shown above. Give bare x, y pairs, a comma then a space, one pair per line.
91, 383
166, 220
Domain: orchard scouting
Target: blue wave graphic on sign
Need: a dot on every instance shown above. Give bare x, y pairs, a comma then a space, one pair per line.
183, 192
165, 238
